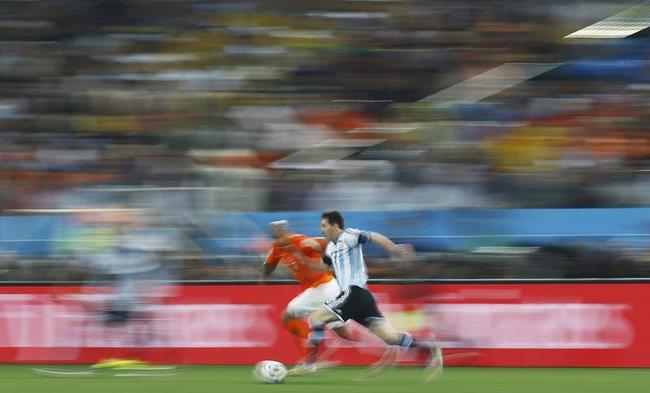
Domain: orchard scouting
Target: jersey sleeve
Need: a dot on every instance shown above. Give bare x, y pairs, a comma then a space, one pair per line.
354, 237
310, 252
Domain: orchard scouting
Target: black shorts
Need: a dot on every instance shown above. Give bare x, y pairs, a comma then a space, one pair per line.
355, 303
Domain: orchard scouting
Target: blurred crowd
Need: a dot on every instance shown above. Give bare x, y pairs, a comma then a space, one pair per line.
287, 105
263, 106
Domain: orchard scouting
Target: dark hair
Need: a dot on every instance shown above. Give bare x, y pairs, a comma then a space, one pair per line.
334, 217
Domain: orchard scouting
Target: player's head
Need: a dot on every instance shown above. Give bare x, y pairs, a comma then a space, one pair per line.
331, 224
279, 230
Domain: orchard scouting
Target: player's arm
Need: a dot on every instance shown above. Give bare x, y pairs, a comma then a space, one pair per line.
312, 244
312, 251
270, 264
401, 251
268, 269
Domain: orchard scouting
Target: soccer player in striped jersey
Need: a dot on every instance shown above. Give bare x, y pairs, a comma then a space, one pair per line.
355, 301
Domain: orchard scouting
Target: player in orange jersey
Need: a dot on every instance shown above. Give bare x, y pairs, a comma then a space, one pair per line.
302, 256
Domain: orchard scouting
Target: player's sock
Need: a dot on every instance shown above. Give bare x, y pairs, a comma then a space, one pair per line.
406, 340
316, 337
298, 328
300, 332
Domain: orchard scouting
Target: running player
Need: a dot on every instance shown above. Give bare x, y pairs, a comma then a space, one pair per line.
355, 301
302, 256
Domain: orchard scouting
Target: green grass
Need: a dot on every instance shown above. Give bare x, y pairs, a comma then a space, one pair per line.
204, 379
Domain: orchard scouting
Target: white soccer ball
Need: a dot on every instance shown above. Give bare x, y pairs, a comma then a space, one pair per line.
270, 371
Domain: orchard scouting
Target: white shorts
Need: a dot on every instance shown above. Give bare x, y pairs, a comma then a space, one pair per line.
311, 299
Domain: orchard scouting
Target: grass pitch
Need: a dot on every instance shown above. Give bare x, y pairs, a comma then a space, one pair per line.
206, 379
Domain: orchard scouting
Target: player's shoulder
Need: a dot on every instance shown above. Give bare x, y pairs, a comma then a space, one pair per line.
296, 237
298, 240
353, 236
350, 233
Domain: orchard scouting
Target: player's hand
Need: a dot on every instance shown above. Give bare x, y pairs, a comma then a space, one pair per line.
404, 252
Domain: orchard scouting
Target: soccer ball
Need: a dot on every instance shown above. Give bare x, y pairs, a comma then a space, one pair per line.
270, 371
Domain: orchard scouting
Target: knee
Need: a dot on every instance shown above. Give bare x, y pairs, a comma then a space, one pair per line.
285, 317
343, 332
320, 316
294, 311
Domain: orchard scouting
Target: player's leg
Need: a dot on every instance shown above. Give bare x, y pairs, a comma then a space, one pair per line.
301, 307
330, 314
297, 327
325, 293
319, 318
382, 329
329, 291
372, 318
317, 322
334, 315
293, 317
367, 313
434, 363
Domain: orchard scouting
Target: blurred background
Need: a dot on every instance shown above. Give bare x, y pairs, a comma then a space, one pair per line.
501, 138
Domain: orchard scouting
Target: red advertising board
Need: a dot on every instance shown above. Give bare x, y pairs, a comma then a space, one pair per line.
525, 324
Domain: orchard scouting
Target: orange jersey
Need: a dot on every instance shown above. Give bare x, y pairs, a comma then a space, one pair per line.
301, 260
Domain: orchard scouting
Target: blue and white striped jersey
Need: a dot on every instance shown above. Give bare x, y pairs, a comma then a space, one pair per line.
347, 258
